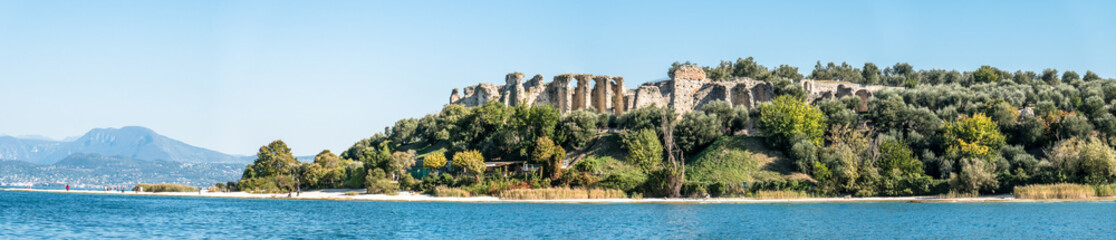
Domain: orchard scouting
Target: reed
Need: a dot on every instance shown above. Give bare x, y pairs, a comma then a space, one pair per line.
779, 194
443, 191
1055, 191
956, 194
164, 187
1107, 190
561, 193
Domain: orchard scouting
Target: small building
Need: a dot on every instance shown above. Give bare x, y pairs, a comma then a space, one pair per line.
505, 167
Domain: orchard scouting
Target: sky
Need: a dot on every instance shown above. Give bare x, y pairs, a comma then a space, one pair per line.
234, 75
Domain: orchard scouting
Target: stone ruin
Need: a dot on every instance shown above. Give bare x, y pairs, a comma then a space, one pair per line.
688, 90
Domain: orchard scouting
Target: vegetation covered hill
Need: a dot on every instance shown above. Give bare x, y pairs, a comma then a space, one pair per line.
936, 132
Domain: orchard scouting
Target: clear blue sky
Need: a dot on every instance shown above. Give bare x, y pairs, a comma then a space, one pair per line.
234, 75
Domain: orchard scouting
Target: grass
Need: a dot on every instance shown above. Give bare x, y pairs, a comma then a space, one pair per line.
737, 159
780, 194
606, 146
164, 187
1056, 191
561, 193
443, 191
351, 193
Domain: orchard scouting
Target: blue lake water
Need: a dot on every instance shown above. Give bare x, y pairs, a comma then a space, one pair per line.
34, 215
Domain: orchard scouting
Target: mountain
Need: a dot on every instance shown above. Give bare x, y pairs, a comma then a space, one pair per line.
99, 170
128, 142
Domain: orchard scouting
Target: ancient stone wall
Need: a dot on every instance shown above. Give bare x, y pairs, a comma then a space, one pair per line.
618, 104
687, 91
581, 92
512, 92
600, 93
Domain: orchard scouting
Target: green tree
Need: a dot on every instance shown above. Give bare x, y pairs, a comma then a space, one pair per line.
986, 74
401, 162
787, 117
723, 111
577, 128
404, 131
434, 161
274, 159
696, 130
376, 157
972, 137
550, 155
471, 161
644, 149
896, 156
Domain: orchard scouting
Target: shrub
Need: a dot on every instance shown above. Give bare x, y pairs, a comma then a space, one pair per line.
378, 183
723, 189
258, 185
164, 187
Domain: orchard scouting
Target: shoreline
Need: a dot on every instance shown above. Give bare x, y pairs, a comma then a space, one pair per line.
339, 195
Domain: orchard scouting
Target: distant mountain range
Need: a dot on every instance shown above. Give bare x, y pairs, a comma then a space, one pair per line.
93, 170
110, 156
126, 142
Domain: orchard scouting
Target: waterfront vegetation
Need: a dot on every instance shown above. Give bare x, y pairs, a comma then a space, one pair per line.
932, 132
163, 187
561, 193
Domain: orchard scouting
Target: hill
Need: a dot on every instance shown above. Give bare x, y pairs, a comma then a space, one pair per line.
128, 142
739, 159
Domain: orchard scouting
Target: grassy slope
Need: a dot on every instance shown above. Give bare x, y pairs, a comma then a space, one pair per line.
739, 159
607, 145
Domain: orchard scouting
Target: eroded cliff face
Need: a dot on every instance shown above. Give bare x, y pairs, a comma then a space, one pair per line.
690, 89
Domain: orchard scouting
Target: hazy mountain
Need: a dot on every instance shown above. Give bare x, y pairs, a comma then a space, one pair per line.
127, 142
99, 170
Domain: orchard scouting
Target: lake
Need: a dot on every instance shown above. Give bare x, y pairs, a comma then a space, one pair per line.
39, 215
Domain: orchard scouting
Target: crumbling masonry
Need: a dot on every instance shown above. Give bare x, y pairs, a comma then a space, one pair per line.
688, 90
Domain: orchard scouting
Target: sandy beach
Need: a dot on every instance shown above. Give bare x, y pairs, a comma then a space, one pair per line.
339, 195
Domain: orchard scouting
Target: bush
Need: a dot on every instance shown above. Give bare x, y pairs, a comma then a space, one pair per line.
723, 189
258, 185
378, 183
164, 187
408, 182
695, 190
